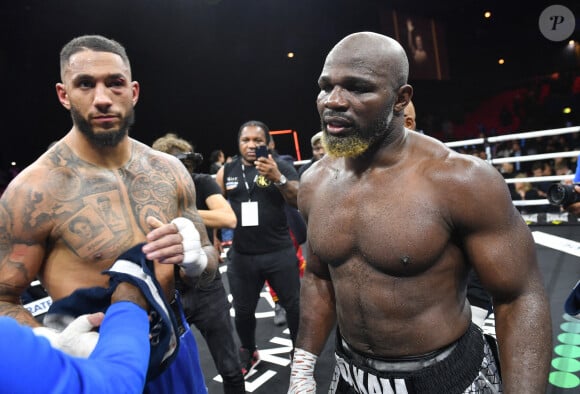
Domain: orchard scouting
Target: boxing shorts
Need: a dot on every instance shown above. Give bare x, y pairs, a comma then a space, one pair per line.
466, 366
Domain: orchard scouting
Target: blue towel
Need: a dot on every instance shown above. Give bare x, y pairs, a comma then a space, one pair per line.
132, 267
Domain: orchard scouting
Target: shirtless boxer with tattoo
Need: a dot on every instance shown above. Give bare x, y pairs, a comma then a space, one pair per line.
151, 194
413, 218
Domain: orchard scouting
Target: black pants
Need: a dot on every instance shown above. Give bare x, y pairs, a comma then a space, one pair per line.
247, 274
209, 310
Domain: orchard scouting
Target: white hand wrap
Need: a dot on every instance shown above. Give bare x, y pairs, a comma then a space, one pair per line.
194, 257
77, 339
302, 374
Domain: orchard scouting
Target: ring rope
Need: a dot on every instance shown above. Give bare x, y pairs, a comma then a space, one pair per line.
515, 159
509, 137
548, 178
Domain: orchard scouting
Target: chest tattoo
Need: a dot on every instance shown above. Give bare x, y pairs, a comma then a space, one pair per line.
97, 212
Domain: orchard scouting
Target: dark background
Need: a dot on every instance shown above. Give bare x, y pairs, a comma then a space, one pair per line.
206, 66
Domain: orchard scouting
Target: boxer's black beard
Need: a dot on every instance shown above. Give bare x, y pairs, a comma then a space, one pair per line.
107, 138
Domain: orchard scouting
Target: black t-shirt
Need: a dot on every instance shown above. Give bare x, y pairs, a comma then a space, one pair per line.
242, 184
205, 186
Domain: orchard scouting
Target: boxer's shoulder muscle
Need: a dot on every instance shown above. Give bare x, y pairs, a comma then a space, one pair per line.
470, 191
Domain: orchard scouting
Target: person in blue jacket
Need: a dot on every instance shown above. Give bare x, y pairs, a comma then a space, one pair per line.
118, 364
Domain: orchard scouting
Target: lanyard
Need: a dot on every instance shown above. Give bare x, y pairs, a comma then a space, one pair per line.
250, 190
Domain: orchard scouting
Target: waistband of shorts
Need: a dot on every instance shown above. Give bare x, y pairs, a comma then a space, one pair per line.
447, 369
402, 364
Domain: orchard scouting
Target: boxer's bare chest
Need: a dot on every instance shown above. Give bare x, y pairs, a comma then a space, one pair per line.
99, 213
389, 220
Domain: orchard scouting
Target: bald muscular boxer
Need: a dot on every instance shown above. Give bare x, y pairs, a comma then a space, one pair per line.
413, 217
152, 197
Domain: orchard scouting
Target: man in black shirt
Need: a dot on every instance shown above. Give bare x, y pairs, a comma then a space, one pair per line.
258, 188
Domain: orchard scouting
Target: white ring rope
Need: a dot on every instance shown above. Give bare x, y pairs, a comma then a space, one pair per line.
509, 137
526, 203
516, 159
548, 178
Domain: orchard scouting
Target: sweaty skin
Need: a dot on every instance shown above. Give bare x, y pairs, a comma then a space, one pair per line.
43, 208
59, 187
393, 231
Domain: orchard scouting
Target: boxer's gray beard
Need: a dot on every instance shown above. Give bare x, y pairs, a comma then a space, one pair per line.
358, 142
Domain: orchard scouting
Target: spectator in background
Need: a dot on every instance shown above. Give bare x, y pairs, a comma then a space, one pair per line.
317, 152
517, 151
217, 159
507, 170
526, 191
541, 186
547, 169
258, 189
410, 116
207, 306
562, 168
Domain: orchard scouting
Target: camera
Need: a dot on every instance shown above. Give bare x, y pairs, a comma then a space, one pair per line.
191, 160
562, 195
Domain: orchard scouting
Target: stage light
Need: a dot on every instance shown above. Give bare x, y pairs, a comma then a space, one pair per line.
567, 110
501, 61
290, 55
487, 14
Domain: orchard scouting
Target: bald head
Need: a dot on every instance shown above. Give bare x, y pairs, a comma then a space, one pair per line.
377, 53
363, 90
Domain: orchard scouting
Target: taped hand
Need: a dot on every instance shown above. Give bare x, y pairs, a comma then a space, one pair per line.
194, 257
77, 339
